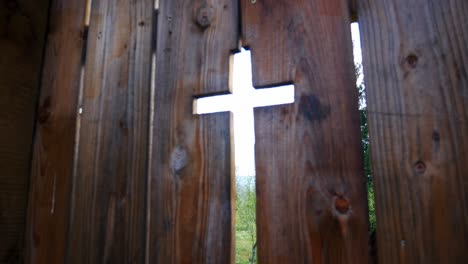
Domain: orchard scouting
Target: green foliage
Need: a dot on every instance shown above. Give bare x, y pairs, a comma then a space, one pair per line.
243, 247
246, 229
366, 148
371, 201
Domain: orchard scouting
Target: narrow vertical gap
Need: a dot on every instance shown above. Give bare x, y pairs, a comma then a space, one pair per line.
81, 87
245, 184
365, 137
232, 168
150, 128
77, 140
79, 112
244, 163
232, 187
245, 193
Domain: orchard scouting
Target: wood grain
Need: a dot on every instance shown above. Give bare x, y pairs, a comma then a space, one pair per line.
191, 165
108, 221
311, 196
416, 69
22, 34
52, 169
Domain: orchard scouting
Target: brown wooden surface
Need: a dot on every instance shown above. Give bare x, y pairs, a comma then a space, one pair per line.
22, 34
416, 70
108, 221
311, 196
52, 166
191, 165
353, 10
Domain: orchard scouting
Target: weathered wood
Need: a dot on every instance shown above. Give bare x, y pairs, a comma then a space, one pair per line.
311, 196
52, 165
416, 74
191, 164
108, 211
52, 168
22, 34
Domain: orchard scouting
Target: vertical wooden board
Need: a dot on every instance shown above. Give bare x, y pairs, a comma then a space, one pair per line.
22, 34
416, 74
52, 166
311, 195
108, 217
191, 164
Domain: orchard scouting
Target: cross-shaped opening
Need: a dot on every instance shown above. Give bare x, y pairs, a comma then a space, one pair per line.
241, 102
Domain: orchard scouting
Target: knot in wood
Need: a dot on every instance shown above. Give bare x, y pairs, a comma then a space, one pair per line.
342, 205
205, 16
412, 60
179, 160
436, 136
420, 168
44, 112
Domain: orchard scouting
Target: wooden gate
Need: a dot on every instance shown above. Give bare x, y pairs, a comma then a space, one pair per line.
123, 172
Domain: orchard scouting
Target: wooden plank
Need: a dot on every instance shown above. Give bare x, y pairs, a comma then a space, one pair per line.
191, 164
416, 69
22, 34
52, 168
311, 196
109, 193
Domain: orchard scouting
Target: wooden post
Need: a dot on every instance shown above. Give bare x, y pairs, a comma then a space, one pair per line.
311, 193
416, 74
191, 169
22, 34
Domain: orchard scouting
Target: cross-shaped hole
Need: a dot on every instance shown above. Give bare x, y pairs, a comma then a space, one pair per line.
241, 102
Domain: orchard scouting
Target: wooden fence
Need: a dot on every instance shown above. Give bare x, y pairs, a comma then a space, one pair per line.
123, 172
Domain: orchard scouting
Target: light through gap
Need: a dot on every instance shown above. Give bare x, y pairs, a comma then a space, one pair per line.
364, 131
241, 102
